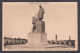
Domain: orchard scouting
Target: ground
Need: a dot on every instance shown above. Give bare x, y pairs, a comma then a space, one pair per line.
47, 47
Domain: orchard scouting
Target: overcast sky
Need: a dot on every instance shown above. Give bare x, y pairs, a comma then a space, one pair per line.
60, 18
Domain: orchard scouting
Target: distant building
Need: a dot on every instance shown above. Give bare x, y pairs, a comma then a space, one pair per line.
13, 41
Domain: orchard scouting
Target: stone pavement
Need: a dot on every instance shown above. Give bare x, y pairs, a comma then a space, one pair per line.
25, 47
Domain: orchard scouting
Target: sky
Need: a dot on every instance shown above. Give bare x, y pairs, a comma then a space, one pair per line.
60, 18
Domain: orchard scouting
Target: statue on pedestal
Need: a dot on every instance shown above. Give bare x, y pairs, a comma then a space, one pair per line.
38, 24
38, 35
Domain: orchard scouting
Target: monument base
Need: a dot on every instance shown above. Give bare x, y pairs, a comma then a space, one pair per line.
37, 39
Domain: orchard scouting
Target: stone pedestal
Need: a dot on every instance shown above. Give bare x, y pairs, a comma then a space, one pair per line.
40, 27
38, 35
37, 38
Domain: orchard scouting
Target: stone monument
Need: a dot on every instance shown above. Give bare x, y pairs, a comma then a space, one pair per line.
38, 35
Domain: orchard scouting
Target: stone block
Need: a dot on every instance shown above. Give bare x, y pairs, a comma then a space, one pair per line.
40, 26
37, 38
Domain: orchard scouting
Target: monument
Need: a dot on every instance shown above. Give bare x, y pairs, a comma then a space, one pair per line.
38, 35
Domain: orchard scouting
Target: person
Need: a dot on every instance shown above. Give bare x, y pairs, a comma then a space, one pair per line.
40, 12
33, 21
34, 24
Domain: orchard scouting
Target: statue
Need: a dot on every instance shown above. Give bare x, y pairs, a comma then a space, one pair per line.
38, 35
38, 24
34, 24
40, 13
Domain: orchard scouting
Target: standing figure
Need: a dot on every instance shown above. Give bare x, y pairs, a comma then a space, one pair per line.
34, 24
40, 13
